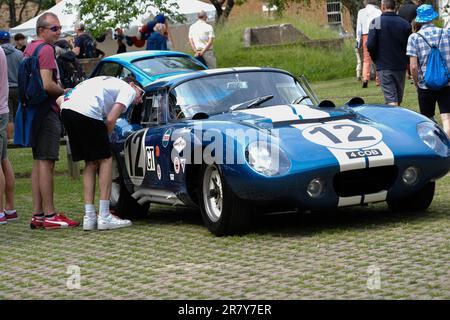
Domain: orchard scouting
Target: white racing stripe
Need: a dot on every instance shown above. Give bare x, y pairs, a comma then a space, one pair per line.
386, 158
345, 163
375, 197
309, 113
275, 113
349, 201
354, 145
368, 198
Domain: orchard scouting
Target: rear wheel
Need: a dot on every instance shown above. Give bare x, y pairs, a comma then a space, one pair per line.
418, 201
222, 211
124, 205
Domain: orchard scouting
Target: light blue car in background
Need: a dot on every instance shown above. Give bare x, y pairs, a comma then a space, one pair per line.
146, 66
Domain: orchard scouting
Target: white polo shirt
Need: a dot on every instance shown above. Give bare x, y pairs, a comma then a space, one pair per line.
200, 33
95, 97
365, 17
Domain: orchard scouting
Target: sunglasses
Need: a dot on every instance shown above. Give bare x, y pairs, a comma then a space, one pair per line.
54, 28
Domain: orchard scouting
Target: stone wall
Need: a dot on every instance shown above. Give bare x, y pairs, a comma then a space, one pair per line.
275, 34
285, 34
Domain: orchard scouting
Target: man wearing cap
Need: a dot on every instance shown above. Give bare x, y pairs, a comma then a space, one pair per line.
201, 37
418, 51
82, 41
13, 58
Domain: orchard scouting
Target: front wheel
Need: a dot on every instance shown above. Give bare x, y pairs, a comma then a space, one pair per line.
418, 201
222, 211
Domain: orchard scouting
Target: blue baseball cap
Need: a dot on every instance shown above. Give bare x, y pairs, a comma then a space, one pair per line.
160, 18
4, 35
426, 13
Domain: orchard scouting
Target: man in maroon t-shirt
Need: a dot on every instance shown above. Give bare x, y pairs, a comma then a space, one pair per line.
47, 136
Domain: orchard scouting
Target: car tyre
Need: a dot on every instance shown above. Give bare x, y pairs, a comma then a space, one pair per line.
417, 202
122, 203
222, 211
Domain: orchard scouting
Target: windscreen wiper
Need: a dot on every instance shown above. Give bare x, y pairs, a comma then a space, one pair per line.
250, 103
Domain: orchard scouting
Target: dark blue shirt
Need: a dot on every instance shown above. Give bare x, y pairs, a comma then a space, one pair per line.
387, 41
156, 41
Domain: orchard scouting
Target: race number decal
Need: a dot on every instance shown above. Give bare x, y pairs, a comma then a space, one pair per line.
135, 156
364, 153
150, 158
343, 135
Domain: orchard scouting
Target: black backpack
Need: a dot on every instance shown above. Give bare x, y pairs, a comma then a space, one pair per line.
89, 48
70, 70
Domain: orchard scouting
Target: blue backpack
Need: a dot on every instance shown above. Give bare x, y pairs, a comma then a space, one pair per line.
437, 75
31, 96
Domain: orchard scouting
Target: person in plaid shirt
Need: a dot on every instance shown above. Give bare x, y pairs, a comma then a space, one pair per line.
418, 51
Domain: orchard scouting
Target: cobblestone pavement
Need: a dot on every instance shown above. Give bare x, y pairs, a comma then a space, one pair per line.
364, 253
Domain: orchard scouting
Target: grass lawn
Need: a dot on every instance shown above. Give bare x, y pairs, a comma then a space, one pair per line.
316, 64
170, 255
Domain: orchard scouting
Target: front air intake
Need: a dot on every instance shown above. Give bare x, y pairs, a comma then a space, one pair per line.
364, 181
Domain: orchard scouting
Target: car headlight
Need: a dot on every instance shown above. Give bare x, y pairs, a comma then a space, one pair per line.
433, 137
267, 159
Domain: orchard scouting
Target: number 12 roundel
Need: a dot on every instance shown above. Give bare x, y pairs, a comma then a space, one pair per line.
343, 135
136, 157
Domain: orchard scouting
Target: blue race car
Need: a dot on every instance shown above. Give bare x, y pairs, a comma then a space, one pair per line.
146, 66
232, 141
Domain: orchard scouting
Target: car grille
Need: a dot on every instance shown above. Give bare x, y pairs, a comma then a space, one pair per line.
364, 181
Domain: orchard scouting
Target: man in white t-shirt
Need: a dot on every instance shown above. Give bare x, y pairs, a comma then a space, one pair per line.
89, 113
201, 37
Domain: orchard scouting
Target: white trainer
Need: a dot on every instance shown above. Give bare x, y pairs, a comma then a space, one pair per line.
89, 223
112, 222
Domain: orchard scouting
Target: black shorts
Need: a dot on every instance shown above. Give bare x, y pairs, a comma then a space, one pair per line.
428, 99
88, 137
48, 137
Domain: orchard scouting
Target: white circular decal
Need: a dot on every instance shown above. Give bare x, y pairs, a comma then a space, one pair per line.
343, 135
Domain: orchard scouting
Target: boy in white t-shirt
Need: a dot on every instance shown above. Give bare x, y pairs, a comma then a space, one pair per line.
89, 113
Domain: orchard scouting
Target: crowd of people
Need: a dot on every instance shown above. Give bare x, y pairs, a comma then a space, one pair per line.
393, 42
398, 41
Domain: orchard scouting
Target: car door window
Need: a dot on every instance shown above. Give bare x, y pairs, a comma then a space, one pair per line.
109, 69
150, 112
125, 73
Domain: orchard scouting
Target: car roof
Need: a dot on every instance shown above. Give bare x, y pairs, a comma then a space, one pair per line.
137, 55
173, 80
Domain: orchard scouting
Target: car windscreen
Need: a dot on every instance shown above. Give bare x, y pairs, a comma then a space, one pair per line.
162, 65
216, 94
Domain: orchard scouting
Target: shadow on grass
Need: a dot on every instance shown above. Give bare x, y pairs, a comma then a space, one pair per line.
355, 219
303, 224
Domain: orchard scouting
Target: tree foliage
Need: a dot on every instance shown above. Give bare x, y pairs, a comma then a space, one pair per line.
99, 16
